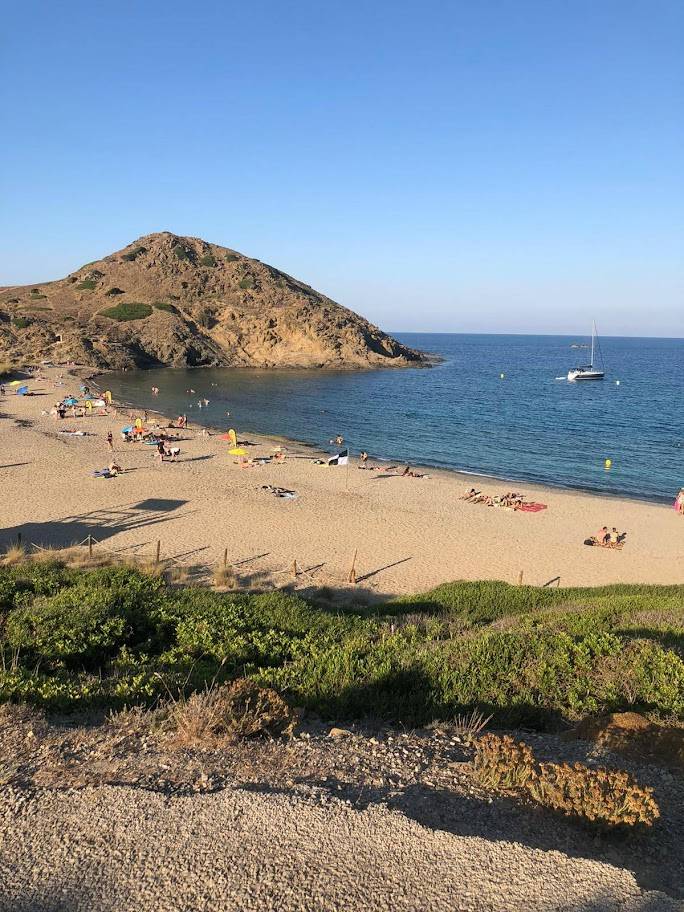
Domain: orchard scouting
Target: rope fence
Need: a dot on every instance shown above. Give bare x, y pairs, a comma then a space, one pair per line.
157, 558
294, 570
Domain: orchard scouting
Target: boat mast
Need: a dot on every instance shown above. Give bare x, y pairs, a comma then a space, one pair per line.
593, 335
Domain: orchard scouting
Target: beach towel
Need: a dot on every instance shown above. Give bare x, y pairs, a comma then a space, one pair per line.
279, 492
532, 507
103, 473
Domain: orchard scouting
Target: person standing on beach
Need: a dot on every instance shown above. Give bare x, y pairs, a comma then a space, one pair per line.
110, 441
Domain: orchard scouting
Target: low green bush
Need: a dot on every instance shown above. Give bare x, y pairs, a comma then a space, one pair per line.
182, 252
247, 282
162, 305
87, 285
207, 260
21, 322
231, 257
133, 254
114, 636
130, 310
114, 291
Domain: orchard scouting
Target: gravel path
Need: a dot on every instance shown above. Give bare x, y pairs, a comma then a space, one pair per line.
121, 848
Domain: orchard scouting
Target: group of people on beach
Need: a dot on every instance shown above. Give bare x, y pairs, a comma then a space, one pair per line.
511, 500
607, 538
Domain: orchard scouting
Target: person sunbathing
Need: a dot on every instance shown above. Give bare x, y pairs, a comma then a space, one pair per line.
469, 495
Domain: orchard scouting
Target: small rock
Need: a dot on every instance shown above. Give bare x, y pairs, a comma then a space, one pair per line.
339, 733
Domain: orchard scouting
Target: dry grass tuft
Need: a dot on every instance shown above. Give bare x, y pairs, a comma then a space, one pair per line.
225, 713
152, 567
49, 555
179, 575
225, 577
470, 724
15, 554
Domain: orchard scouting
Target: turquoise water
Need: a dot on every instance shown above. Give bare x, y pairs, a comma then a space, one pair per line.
461, 415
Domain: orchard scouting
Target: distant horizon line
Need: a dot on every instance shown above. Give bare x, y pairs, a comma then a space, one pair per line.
423, 332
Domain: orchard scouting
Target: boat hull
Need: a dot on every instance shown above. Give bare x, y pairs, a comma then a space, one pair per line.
574, 376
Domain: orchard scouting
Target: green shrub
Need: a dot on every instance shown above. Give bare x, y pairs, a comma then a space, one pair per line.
86, 623
87, 285
115, 291
207, 260
21, 322
231, 257
37, 295
182, 252
409, 667
162, 305
247, 282
130, 310
133, 254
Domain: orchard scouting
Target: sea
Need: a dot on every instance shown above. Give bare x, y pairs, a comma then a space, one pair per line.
495, 405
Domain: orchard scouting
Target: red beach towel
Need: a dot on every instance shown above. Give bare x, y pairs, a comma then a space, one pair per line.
532, 507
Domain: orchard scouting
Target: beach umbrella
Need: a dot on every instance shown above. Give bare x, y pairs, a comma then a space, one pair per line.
127, 429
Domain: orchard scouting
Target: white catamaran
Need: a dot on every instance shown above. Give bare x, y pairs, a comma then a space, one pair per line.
588, 371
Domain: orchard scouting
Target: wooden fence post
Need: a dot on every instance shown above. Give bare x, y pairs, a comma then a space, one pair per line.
90, 547
225, 558
520, 578
158, 550
352, 572
294, 569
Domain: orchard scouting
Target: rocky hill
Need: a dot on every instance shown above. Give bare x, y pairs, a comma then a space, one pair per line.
179, 301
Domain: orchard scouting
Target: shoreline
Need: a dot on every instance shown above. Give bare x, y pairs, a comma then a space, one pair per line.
411, 534
428, 467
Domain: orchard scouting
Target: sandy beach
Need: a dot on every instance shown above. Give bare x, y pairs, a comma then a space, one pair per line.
410, 533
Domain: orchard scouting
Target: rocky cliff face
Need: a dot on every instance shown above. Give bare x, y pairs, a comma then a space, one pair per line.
169, 300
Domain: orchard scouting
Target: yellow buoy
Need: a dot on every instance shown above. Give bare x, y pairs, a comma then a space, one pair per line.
608, 463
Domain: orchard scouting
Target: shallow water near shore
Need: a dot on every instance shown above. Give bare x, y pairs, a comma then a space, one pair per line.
461, 415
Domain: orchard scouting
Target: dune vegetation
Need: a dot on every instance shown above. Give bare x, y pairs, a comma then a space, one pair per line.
115, 636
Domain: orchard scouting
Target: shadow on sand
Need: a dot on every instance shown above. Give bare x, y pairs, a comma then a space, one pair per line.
101, 524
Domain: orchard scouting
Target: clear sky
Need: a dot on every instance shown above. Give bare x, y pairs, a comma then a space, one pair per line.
475, 165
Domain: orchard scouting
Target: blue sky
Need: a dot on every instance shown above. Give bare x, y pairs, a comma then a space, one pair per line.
505, 165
